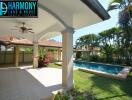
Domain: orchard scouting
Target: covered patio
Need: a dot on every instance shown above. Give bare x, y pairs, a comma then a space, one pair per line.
55, 17
29, 84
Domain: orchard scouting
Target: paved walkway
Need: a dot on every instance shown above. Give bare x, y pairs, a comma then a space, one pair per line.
29, 84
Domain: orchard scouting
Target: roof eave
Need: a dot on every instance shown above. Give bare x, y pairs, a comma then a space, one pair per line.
97, 8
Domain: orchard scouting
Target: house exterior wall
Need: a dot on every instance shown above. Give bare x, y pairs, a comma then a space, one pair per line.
28, 57
8, 57
55, 56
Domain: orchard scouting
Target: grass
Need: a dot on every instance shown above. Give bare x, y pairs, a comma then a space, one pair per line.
53, 65
103, 88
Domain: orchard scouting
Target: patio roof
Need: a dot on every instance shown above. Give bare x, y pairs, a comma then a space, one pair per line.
9, 40
77, 16
54, 16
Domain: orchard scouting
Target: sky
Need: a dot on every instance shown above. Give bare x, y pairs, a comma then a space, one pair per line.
96, 28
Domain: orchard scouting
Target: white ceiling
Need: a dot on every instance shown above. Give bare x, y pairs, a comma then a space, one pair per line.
39, 25
73, 13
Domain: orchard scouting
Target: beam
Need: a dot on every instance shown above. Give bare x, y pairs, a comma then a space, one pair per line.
97, 8
19, 35
53, 28
53, 14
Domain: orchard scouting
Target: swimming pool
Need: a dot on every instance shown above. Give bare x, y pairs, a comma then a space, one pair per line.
100, 68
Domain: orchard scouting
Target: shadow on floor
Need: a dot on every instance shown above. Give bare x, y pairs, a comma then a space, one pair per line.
21, 85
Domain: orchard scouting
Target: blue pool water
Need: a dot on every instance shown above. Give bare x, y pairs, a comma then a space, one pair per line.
110, 69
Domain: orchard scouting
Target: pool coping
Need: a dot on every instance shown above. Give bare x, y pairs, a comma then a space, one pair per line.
102, 63
122, 75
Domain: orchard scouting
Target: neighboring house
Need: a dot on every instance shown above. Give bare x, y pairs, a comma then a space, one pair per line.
8, 45
89, 51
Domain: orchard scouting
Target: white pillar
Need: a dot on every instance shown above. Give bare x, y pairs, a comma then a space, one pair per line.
67, 58
59, 54
16, 56
35, 54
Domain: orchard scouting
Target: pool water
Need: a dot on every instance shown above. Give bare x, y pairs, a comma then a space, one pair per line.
110, 69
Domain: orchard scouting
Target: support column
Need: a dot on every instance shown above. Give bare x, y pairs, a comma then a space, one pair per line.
67, 58
35, 55
59, 54
16, 56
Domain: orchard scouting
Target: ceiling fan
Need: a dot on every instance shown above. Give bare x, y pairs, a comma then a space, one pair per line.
23, 28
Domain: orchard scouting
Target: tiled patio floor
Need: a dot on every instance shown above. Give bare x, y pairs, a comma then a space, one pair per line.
29, 84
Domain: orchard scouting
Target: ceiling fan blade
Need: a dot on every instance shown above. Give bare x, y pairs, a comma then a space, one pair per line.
30, 31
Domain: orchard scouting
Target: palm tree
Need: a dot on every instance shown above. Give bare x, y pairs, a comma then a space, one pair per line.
125, 22
125, 13
109, 42
88, 43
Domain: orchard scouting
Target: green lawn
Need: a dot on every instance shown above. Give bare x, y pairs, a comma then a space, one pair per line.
54, 65
103, 88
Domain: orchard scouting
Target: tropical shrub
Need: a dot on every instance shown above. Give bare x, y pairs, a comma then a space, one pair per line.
94, 58
43, 61
78, 55
112, 46
74, 94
